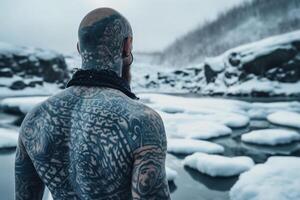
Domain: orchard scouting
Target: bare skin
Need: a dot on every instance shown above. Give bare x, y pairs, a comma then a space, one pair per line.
92, 142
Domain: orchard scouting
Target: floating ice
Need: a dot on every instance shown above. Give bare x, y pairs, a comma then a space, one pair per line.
285, 118
8, 138
271, 136
201, 130
277, 179
215, 165
171, 174
189, 146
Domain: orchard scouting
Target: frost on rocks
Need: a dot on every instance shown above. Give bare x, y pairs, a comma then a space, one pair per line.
8, 138
190, 146
285, 118
215, 165
22, 104
277, 179
271, 136
171, 174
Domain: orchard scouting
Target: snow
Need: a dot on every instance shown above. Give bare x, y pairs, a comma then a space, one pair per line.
160, 80
285, 118
271, 136
216, 165
201, 130
205, 118
189, 146
25, 104
277, 179
171, 174
9, 49
8, 138
46, 89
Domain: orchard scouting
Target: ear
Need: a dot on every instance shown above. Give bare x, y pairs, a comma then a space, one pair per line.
127, 48
78, 48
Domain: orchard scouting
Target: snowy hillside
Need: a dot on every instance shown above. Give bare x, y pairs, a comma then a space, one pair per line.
243, 24
270, 67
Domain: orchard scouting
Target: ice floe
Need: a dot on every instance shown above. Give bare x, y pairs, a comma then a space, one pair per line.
271, 136
201, 130
216, 165
285, 118
190, 146
171, 174
277, 179
8, 138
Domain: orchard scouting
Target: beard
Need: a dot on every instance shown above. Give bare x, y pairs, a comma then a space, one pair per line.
126, 73
126, 69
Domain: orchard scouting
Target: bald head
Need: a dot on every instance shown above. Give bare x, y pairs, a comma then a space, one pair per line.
102, 35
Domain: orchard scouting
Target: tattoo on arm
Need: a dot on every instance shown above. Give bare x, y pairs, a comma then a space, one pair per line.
149, 181
28, 185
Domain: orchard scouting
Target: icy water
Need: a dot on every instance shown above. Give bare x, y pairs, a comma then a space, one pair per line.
189, 184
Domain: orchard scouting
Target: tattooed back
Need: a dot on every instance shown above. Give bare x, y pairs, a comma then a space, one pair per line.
84, 143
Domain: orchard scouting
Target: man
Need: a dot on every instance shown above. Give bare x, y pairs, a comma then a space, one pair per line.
94, 140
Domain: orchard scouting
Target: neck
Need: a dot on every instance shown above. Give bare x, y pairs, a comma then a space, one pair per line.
90, 62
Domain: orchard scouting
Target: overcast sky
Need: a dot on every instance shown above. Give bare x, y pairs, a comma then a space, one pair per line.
53, 23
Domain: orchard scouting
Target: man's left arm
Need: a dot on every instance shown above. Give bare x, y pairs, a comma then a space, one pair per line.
28, 185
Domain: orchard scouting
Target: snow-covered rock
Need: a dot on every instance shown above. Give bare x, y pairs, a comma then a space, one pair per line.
264, 68
271, 136
20, 105
277, 179
171, 174
216, 165
190, 146
285, 118
30, 68
8, 138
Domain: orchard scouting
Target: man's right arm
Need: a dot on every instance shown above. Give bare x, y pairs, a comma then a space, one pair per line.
149, 181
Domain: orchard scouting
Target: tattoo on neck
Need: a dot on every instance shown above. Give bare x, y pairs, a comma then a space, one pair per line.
101, 43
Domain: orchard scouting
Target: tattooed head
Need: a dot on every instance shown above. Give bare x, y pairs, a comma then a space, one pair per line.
102, 36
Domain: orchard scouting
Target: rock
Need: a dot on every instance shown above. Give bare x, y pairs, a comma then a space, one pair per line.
18, 85
266, 68
6, 73
210, 74
31, 63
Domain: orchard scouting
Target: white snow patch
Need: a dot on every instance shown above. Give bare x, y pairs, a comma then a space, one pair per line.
215, 165
25, 104
285, 118
8, 138
171, 174
189, 146
201, 130
271, 136
277, 179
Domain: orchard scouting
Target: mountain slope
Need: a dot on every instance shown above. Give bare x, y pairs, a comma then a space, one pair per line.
246, 23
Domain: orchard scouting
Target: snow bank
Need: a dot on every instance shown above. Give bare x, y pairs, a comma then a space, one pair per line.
8, 138
24, 104
215, 165
171, 174
285, 118
271, 136
277, 179
189, 146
